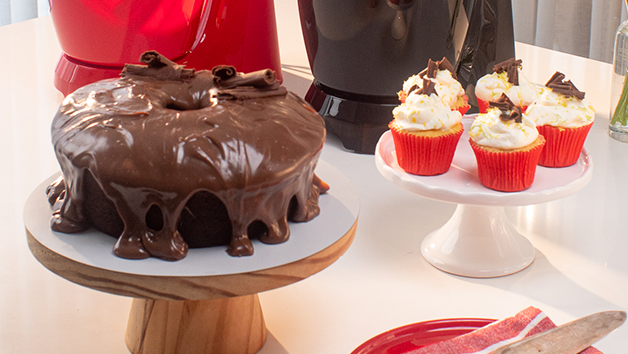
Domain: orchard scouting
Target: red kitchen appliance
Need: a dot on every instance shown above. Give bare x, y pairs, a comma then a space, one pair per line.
99, 36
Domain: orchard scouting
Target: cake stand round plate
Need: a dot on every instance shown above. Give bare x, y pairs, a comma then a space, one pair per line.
478, 240
206, 292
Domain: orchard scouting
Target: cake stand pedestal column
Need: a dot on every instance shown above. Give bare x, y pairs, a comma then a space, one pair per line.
206, 303
478, 241
230, 325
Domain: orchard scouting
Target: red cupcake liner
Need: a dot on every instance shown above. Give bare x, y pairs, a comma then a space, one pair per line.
507, 171
482, 105
402, 95
463, 109
422, 155
562, 146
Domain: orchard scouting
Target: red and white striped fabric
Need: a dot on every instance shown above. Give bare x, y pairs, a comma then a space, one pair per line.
487, 339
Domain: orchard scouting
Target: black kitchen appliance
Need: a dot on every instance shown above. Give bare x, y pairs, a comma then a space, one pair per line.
361, 51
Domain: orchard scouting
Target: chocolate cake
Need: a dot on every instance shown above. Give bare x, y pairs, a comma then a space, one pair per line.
167, 158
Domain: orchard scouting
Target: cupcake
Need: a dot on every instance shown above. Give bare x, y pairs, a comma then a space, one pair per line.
443, 75
425, 132
507, 147
506, 78
564, 119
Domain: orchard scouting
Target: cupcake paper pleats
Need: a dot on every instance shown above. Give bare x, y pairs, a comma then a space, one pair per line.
562, 145
507, 171
425, 155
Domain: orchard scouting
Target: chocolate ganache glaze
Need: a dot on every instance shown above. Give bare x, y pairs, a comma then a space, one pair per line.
162, 140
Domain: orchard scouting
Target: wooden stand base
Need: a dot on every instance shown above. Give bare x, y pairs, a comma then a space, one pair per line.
232, 325
192, 312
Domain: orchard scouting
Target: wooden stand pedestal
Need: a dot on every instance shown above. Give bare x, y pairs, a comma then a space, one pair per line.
195, 315
227, 326
197, 305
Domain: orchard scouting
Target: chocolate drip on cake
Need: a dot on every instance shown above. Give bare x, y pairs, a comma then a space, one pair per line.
510, 66
567, 88
147, 154
509, 111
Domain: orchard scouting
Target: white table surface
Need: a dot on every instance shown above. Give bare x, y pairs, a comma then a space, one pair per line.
382, 282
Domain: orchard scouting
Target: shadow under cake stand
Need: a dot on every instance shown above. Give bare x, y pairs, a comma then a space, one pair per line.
207, 302
478, 240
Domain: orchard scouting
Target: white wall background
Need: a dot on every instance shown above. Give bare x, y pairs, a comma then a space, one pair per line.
581, 27
12, 11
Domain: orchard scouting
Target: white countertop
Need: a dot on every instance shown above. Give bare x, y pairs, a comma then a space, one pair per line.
382, 282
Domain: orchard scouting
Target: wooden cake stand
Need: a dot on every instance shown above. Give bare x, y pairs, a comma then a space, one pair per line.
207, 302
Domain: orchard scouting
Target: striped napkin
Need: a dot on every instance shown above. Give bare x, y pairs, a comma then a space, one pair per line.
487, 339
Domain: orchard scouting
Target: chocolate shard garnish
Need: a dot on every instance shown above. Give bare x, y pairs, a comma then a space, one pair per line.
503, 103
509, 110
556, 77
430, 71
413, 88
434, 66
567, 88
429, 87
444, 64
509, 66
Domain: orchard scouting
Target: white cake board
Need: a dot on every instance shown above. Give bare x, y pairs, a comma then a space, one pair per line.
479, 241
339, 210
206, 303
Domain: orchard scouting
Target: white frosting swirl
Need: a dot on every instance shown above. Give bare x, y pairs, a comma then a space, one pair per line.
555, 109
448, 88
422, 112
491, 86
489, 130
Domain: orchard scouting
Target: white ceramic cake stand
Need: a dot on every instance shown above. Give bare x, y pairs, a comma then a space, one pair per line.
479, 241
207, 302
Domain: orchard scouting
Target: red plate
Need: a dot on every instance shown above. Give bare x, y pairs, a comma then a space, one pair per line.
404, 339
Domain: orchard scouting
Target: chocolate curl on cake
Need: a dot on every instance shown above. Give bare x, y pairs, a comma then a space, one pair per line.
158, 67
509, 66
234, 85
566, 88
509, 110
434, 66
227, 77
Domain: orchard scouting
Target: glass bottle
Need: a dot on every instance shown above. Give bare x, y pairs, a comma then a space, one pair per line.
618, 126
